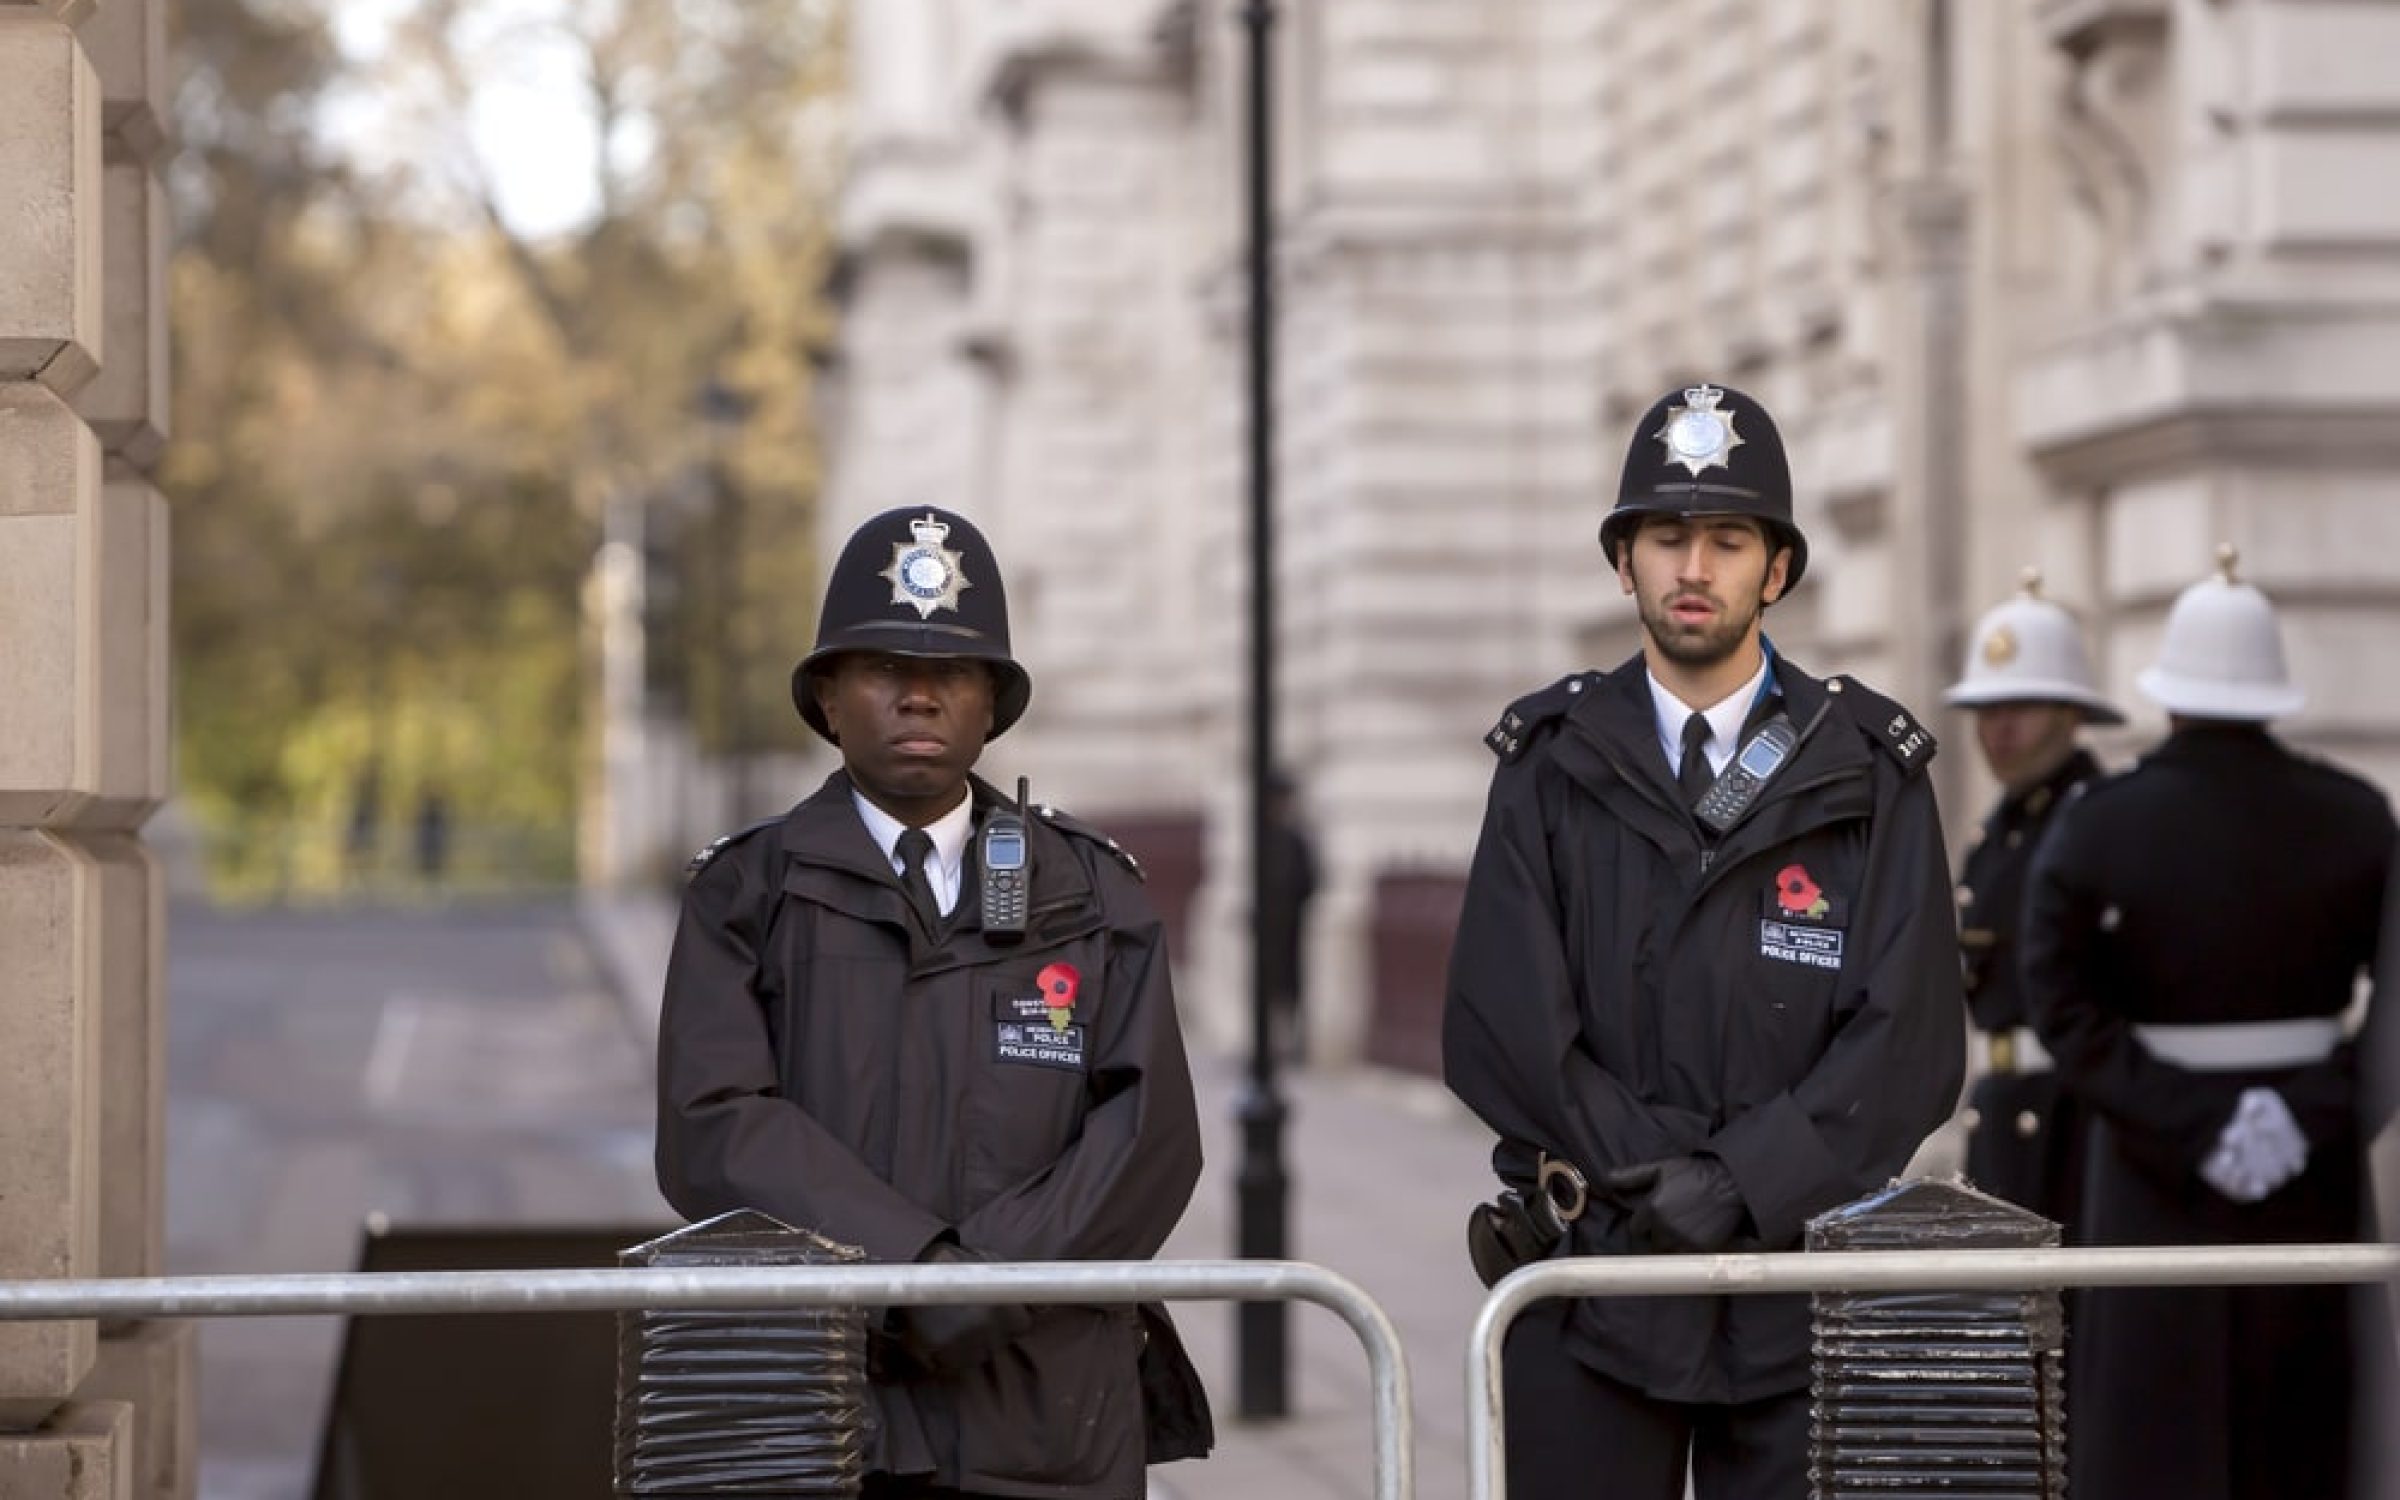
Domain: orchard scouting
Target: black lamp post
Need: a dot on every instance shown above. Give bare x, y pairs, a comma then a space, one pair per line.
1262, 1188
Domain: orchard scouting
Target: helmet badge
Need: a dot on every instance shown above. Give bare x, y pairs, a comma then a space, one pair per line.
1697, 435
924, 572
1999, 646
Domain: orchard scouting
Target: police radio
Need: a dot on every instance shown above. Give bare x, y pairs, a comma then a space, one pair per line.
1007, 871
1722, 805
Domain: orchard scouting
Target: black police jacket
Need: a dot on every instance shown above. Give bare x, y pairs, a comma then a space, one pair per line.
824, 1060
1785, 998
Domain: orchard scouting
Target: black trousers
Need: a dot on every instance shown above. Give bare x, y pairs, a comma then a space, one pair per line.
1575, 1434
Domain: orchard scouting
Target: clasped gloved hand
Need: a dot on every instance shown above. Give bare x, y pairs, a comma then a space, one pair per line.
947, 1338
1679, 1204
2260, 1149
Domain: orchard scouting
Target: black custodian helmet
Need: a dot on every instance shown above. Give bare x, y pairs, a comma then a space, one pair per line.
1707, 450
917, 582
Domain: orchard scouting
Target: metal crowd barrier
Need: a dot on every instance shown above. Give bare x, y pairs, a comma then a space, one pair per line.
1868, 1271
721, 1288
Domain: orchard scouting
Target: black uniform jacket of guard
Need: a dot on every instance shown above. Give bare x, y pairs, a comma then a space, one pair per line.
2222, 879
825, 1060
2026, 1139
1786, 999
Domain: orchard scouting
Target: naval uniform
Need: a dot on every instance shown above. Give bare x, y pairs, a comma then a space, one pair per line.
1626, 987
2197, 926
2025, 1134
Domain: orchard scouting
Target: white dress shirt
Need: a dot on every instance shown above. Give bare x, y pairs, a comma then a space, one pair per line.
1724, 717
949, 834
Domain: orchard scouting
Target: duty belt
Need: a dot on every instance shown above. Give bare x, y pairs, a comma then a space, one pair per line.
2233, 1046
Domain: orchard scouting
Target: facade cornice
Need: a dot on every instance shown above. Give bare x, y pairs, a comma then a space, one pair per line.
2303, 386
1142, 44
2082, 27
910, 196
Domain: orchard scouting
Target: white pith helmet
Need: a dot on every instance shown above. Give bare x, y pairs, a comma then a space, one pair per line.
2029, 650
2222, 654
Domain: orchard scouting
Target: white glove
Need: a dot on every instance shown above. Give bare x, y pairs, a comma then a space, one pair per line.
2260, 1149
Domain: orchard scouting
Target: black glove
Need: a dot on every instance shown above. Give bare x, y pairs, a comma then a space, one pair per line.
947, 1338
1680, 1205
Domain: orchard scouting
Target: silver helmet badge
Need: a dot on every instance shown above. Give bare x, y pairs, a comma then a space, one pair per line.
1697, 435
924, 572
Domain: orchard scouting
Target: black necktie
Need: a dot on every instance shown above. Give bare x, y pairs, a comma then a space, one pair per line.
1695, 778
914, 846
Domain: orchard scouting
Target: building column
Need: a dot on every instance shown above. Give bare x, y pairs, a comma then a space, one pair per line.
2239, 388
83, 741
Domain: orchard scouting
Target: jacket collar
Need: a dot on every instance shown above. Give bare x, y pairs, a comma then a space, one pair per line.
2037, 801
2208, 739
831, 859
1620, 715
1610, 741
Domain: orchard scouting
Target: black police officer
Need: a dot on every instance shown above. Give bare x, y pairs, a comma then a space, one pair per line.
1705, 981
2194, 933
848, 1045
2028, 681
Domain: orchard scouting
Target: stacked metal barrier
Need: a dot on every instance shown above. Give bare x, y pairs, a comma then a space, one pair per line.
1936, 1393
741, 1403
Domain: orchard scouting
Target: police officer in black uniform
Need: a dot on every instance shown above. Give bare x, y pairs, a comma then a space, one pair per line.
916, 1019
2195, 931
1705, 981
2028, 681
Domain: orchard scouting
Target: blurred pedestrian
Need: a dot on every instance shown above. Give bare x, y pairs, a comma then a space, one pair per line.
1705, 982
2028, 682
1291, 868
907, 1018
432, 835
2195, 931
366, 822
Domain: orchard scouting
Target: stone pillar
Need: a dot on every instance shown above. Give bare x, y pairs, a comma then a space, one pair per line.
2242, 390
83, 741
79, 1454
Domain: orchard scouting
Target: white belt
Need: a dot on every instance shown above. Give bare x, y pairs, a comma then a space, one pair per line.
2233, 1045
2015, 1049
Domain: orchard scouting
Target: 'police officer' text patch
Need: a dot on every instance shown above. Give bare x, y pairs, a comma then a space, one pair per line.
1039, 1045
1791, 943
1028, 1031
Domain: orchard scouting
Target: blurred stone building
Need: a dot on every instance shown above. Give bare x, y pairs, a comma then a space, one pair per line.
86, 1412
2090, 285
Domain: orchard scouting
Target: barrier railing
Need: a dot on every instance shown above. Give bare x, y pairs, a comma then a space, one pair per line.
723, 1288
1868, 1271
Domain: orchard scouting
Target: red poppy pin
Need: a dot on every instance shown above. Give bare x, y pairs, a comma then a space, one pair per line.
1058, 984
1797, 894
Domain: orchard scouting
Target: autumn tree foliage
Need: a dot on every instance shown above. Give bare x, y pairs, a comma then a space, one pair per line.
401, 418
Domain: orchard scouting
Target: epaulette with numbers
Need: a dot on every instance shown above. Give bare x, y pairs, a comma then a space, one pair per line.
699, 861
1887, 724
1529, 715
1082, 830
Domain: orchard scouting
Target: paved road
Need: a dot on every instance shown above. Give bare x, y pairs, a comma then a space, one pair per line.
436, 1066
